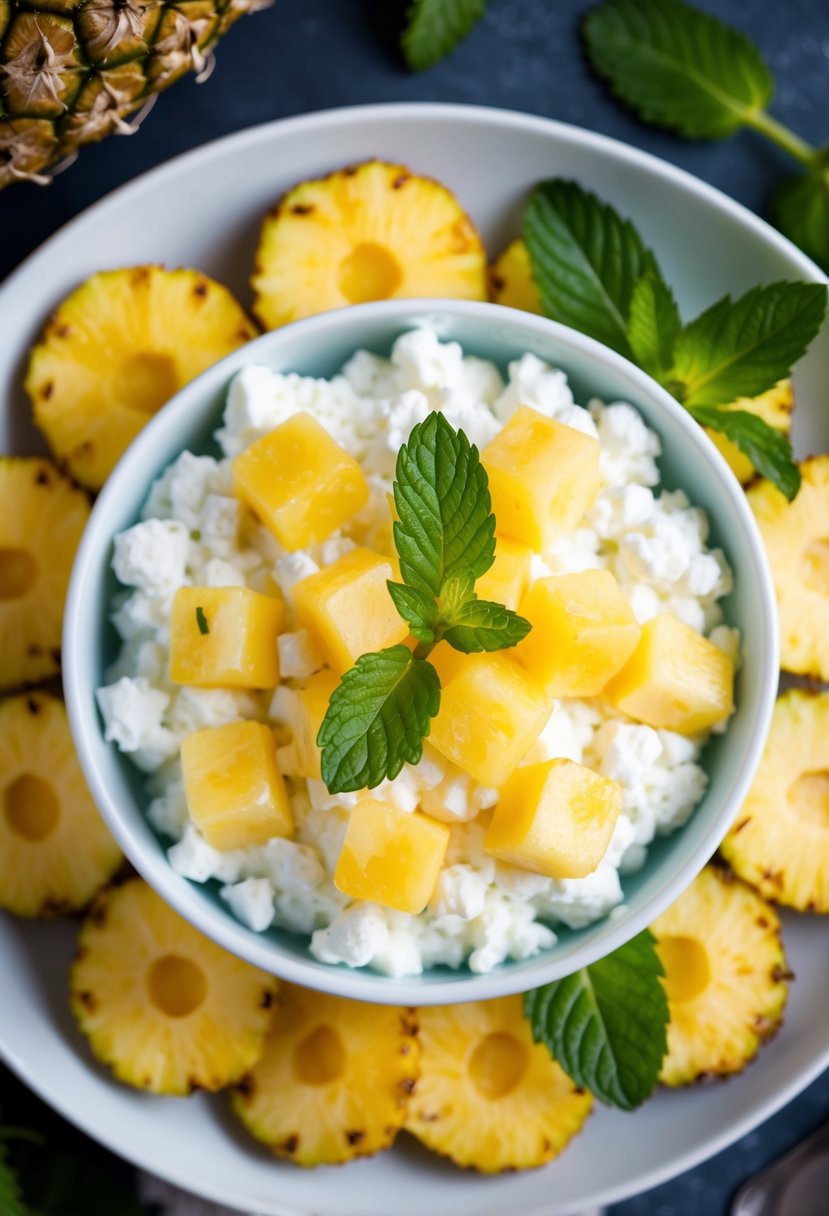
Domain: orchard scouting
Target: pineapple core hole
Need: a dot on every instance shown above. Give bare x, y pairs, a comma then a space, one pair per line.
809, 798
498, 1064
18, 571
687, 969
320, 1057
816, 566
31, 807
369, 272
176, 985
146, 381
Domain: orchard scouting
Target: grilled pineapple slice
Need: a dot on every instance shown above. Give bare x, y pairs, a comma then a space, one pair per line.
55, 851
167, 1009
774, 407
116, 350
796, 536
334, 1081
488, 1096
42, 517
780, 840
725, 976
511, 279
374, 231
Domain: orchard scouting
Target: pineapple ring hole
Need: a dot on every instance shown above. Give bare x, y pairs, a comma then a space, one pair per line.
809, 798
816, 566
177, 986
687, 967
320, 1057
18, 571
146, 381
369, 272
498, 1064
31, 807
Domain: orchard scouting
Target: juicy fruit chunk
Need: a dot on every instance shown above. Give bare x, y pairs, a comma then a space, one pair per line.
675, 679
348, 609
490, 714
583, 632
391, 857
554, 818
508, 577
300, 482
235, 793
488, 1096
167, 1009
334, 1080
373, 231
543, 476
780, 839
224, 637
774, 407
511, 280
306, 709
725, 977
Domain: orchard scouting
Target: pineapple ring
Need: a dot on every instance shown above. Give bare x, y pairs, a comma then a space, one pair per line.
780, 841
42, 517
488, 1096
334, 1080
725, 977
166, 1008
511, 280
116, 350
55, 851
368, 232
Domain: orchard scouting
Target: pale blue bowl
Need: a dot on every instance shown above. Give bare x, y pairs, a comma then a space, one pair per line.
319, 346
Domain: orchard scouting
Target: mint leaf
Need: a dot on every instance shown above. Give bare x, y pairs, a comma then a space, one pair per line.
435, 27
607, 1024
377, 719
677, 66
201, 621
800, 209
483, 625
417, 608
12, 1202
768, 449
653, 325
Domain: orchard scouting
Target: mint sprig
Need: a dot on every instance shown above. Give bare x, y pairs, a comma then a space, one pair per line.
435, 27
12, 1202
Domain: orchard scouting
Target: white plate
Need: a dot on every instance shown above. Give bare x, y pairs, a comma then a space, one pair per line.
203, 210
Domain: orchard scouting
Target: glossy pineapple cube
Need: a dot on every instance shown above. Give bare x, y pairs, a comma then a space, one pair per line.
300, 482
235, 793
224, 637
543, 476
583, 632
348, 609
306, 707
509, 575
675, 679
490, 714
555, 818
391, 857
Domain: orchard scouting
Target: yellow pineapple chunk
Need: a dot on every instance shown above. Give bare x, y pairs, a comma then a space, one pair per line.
511, 280
583, 632
508, 577
490, 714
224, 637
391, 857
300, 482
543, 476
774, 407
675, 679
235, 793
555, 818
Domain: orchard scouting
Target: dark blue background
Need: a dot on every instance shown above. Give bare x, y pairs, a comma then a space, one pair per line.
306, 55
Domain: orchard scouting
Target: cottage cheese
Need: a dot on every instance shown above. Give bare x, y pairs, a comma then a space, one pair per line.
194, 531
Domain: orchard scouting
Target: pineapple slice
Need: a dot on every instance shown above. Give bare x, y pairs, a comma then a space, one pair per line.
167, 1009
796, 536
55, 851
508, 578
224, 637
511, 279
780, 840
306, 708
725, 976
369, 232
391, 857
116, 350
334, 1081
774, 407
235, 794
488, 1096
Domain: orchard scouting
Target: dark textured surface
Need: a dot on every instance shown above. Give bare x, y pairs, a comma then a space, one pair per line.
305, 55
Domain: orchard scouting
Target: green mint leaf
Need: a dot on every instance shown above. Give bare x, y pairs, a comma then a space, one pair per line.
653, 325
800, 209
377, 719
435, 27
768, 450
483, 625
417, 608
12, 1202
201, 621
607, 1024
445, 530
677, 66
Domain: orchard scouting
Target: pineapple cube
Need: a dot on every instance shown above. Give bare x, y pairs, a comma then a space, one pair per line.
555, 818
583, 632
391, 857
234, 791
543, 476
224, 637
300, 482
348, 609
305, 711
490, 714
675, 679
508, 577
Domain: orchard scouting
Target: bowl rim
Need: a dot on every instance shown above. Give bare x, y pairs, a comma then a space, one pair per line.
218, 923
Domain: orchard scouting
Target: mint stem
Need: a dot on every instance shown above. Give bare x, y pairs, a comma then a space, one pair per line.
423, 649
781, 135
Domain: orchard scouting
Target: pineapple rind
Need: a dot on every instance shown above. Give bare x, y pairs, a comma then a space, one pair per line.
510, 279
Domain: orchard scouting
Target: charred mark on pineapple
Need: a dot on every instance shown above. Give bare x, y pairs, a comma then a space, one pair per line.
302, 209
247, 1087
200, 289
355, 1137
781, 974
400, 181
738, 827
33, 706
267, 1001
408, 1085
291, 1144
